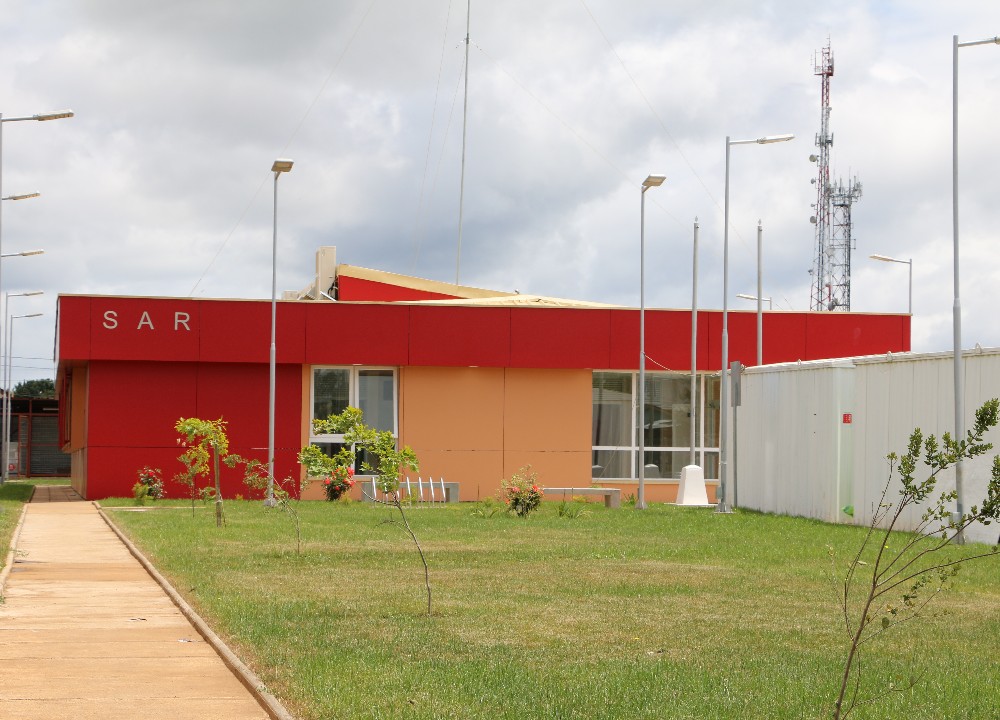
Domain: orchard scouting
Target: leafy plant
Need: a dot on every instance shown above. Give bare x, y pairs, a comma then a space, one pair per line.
336, 471
205, 443
573, 509
338, 483
149, 485
522, 493
486, 508
892, 579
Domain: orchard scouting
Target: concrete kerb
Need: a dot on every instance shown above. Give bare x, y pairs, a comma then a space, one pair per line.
9, 562
254, 684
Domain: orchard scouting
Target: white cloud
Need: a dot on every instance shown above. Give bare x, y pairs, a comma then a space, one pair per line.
182, 106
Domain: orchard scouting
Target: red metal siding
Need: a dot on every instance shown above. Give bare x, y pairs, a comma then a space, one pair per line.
363, 334
452, 336
240, 331
143, 328
559, 338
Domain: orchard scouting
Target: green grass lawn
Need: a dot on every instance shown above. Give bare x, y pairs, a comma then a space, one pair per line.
12, 498
41, 481
666, 613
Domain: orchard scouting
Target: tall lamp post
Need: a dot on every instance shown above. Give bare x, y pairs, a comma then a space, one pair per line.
41, 117
722, 505
692, 460
6, 417
957, 307
651, 181
281, 165
886, 258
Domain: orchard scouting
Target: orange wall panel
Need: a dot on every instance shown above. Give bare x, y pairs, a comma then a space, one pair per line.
478, 472
547, 410
453, 408
556, 469
476, 426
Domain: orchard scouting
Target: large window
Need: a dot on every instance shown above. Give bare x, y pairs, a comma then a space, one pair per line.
667, 431
372, 390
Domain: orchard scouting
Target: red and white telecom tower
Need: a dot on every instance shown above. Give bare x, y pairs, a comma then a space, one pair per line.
831, 271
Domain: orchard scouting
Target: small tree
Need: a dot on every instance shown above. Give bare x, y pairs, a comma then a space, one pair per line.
205, 444
386, 463
889, 583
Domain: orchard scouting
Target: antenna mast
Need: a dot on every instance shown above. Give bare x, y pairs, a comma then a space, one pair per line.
831, 283
465, 125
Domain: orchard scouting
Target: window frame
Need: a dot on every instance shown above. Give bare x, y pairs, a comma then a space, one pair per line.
354, 388
701, 451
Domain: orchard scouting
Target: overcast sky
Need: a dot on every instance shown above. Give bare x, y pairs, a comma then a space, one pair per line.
161, 184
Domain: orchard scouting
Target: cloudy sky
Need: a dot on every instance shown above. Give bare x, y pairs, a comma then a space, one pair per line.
161, 184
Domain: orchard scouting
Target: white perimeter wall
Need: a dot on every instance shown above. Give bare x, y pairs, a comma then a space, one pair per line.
796, 455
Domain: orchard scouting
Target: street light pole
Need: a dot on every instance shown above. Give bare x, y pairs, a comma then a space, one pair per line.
6, 405
722, 505
886, 258
280, 166
957, 307
651, 181
694, 343
760, 295
41, 117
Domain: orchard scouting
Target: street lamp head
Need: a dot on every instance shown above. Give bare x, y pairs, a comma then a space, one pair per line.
25, 196
768, 139
16, 317
282, 165
56, 115
883, 258
653, 181
26, 253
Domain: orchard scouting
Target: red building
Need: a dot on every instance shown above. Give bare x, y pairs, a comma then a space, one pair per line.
479, 383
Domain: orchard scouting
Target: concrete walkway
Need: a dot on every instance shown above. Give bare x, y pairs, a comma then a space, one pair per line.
86, 632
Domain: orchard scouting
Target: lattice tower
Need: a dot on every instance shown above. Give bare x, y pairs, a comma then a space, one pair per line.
831, 282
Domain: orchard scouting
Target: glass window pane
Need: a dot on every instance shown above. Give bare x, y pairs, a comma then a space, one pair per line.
711, 468
612, 402
668, 411
612, 464
377, 398
666, 464
331, 391
711, 439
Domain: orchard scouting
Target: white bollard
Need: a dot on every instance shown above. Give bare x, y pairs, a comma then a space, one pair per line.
691, 490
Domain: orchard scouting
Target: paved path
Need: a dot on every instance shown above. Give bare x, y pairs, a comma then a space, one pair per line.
85, 632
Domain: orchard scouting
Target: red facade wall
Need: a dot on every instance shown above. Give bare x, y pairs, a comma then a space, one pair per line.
452, 336
134, 406
154, 360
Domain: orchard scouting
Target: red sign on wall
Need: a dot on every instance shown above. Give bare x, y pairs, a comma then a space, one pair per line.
848, 418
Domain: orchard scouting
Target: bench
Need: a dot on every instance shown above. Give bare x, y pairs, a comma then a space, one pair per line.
612, 496
419, 490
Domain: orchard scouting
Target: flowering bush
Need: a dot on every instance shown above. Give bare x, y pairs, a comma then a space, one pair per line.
150, 484
521, 493
339, 481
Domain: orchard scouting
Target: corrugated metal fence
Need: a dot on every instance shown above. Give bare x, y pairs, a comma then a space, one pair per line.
812, 438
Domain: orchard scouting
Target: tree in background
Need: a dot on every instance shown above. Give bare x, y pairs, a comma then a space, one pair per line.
41, 388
